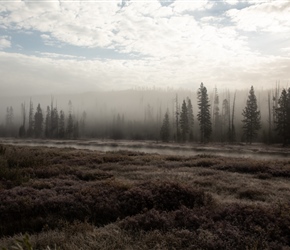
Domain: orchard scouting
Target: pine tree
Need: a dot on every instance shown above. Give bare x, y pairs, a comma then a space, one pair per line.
190, 119
9, 121
61, 131
30, 120
117, 129
184, 121
70, 122
216, 117
177, 112
269, 119
76, 130
22, 127
38, 122
225, 120
83, 124
283, 116
48, 123
203, 115
233, 129
252, 117
54, 123
9, 117
165, 128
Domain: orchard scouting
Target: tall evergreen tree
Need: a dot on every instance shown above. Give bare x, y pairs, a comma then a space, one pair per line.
216, 117
54, 122
177, 112
225, 120
61, 131
38, 122
190, 119
233, 128
184, 121
83, 124
203, 115
283, 116
117, 129
48, 123
30, 120
165, 128
70, 126
22, 131
9, 116
70, 122
270, 139
9, 121
252, 117
76, 129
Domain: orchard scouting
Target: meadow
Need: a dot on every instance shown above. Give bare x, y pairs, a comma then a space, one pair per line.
53, 198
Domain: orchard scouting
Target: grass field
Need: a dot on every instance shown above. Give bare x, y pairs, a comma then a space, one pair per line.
79, 199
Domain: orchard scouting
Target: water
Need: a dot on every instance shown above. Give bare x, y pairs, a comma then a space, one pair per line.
256, 151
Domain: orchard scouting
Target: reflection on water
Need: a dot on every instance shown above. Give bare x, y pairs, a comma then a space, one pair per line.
257, 152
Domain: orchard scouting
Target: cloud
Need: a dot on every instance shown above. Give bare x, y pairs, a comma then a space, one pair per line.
166, 45
286, 51
267, 16
60, 56
146, 28
53, 73
5, 42
181, 6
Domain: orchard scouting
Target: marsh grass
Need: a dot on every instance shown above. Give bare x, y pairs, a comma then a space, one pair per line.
80, 199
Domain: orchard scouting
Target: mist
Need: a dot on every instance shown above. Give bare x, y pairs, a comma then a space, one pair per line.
135, 114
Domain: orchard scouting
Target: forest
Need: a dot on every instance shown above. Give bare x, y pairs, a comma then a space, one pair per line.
69, 198
247, 115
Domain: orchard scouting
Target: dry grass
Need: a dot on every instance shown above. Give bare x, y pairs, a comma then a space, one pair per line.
80, 199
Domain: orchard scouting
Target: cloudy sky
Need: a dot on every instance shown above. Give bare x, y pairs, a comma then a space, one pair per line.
78, 46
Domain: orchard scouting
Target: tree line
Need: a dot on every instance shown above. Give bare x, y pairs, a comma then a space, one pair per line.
214, 120
52, 124
220, 126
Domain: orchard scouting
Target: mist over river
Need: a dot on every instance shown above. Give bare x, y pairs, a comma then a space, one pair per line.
254, 151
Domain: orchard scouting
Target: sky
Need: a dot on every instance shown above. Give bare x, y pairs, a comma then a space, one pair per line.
51, 47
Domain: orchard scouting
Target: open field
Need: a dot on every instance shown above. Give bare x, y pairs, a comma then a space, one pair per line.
66, 198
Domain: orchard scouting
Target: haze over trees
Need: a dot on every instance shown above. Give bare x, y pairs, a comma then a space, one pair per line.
153, 114
203, 115
165, 129
282, 113
252, 117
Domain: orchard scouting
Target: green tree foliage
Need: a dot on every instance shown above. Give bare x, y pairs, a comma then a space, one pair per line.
70, 122
54, 122
283, 116
9, 120
70, 126
203, 115
216, 117
30, 120
252, 117
38, 122
117, 129
22, 131
190, 119
233, 128
9, 117
177, 113
184, 121
48, 123
76, 130
83, 124
61, 131
165, 128
225, 120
